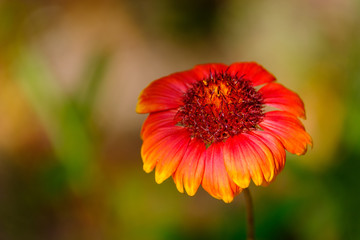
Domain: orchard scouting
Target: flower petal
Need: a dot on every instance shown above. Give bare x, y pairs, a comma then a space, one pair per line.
216, 180
191, 169
251, 71
172, 151
247, 156
156, 121
275, 146
205, 70
288, 129
164, 149
235, 162
276, 95
151, 147
165, 93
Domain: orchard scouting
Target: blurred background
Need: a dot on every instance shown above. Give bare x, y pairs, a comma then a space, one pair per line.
70, 75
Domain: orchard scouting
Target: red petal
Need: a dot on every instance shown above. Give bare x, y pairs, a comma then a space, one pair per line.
251, 71
275, 146
204, 71
191, 169
276, 95
165, 93
164, 149
216, 180
247, 156
158, 120
288, 129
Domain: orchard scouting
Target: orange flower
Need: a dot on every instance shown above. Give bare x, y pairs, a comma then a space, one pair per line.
209, 126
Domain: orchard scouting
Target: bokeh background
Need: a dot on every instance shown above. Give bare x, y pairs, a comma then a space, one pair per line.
70, 75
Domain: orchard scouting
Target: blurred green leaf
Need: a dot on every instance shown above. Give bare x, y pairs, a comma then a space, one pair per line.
91, 80
68, 133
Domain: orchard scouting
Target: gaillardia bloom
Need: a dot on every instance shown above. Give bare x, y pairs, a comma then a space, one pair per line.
212, 126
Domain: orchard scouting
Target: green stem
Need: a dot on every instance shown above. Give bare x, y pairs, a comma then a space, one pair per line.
249, 215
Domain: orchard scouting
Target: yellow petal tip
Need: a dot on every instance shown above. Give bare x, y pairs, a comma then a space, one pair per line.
147, 168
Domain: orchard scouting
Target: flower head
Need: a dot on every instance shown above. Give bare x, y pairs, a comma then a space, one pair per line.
210, 126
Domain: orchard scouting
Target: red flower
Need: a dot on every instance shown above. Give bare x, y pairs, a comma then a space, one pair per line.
209, 126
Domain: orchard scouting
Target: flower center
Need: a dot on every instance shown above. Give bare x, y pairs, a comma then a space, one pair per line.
220, 107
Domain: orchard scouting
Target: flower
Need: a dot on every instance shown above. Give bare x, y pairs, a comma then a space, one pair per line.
212, 126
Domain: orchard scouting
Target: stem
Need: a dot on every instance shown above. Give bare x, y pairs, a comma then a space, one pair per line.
249, 215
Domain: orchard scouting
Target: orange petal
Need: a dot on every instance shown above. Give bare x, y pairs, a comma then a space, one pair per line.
275, 146
165, 93
235, 162
254, 156
216, 180
276, 95
191, 169
288, 129
171, 152
152, 148
252, 72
